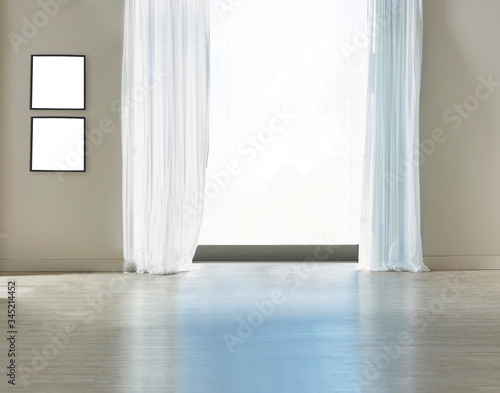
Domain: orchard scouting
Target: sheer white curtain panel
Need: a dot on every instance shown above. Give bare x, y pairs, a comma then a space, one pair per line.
164, 109
390, 218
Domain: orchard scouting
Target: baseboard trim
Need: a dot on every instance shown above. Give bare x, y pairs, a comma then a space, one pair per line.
116, 265
462, 262
61, 265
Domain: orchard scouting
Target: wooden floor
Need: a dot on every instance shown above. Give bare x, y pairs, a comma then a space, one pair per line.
268, 327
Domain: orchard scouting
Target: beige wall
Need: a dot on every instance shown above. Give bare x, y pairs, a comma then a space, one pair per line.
461, 178
76, 216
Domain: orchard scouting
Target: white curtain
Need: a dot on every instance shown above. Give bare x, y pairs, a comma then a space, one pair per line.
390, 222
165, 132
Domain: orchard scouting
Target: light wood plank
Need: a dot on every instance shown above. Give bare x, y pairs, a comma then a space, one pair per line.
334, 329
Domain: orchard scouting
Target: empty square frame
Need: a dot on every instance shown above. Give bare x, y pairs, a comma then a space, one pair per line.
57, 144
58, 82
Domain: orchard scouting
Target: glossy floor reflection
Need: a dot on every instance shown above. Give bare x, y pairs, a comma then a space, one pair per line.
250, 343
266, 327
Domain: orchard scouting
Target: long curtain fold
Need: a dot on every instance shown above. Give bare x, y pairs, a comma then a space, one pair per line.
390, 221
164, 109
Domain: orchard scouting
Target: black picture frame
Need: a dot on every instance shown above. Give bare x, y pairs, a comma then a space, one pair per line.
34, 74
59, 165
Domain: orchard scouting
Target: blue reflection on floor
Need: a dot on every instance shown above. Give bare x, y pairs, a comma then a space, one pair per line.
302, 346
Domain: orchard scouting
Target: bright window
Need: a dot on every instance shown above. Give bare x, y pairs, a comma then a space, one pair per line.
288, 95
